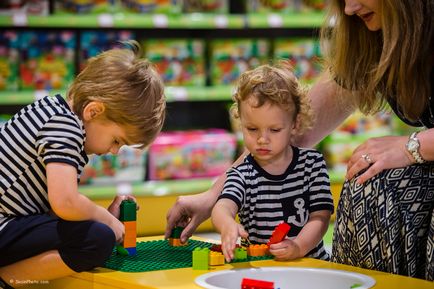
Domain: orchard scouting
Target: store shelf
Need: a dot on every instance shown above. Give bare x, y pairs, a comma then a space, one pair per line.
165, 188
288, 20
211, 93
150, 188
183, 21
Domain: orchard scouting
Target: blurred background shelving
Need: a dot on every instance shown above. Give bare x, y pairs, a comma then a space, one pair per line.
199, 48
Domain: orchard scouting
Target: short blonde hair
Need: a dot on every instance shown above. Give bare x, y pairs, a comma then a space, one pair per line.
128, 86
276, 85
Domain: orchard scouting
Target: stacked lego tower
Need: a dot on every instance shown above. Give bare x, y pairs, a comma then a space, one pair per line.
128, 217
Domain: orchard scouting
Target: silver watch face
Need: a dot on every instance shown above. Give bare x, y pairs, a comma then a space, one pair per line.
412, 145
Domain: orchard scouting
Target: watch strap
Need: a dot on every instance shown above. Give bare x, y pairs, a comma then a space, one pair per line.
415, 153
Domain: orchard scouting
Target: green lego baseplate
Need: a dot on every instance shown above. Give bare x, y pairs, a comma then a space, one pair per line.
160, 255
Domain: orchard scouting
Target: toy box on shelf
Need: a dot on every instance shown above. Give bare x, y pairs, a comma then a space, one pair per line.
28, 7
85, 6
179, 61
46, 59
284, 6
152, 6
93, 42
8, 60
191, 154
205, 6
303, 54
339, 146
231, 57
128, 166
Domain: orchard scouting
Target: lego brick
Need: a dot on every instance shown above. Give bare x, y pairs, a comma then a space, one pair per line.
176, 232
129, 242
131, 251
240, 254
256, 284
200, 258
216, 258
279, 233
128, 211
257, 250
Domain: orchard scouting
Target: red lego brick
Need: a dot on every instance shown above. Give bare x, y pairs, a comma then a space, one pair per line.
279, 233
256, 284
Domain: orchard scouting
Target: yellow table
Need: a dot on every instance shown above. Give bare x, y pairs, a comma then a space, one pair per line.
184, 278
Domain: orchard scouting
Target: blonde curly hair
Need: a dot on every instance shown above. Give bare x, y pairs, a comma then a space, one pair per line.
275, 85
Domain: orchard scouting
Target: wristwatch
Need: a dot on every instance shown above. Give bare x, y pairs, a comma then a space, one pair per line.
413, 146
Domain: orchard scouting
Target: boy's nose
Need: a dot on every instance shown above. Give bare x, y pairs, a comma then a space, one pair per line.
352, 6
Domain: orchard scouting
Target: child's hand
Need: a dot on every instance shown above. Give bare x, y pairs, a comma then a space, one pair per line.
119, 230
286, 250
114, 207
229, 237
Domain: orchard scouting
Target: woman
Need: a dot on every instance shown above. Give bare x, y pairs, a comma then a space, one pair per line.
378, 53
382, 51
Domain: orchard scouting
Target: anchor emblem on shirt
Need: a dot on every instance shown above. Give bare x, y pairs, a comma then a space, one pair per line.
299, 204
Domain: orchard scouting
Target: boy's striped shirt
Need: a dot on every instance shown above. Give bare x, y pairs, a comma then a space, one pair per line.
42, 132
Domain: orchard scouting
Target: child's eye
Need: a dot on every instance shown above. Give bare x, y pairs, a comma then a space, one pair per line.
251, 129
276, 130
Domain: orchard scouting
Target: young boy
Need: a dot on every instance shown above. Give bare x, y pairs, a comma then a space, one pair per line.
276, 182
47, 228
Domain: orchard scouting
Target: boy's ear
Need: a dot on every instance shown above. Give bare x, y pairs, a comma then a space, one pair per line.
93, 110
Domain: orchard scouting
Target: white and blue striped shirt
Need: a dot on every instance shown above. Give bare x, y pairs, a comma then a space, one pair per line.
42, 132
266, 200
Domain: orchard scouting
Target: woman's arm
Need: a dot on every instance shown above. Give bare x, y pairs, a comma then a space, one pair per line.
331, 105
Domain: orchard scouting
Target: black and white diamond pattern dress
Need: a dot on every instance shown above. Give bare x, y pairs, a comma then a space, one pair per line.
387, 224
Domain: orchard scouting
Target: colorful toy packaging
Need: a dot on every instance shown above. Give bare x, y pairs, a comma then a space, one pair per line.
339, 146
276, 6
128, 166
46, 59
179, 61
150, 6
231, 57
85, 6
206, 6
191, 154
94, 42
9, 60
29, 7
303, 54
283, 6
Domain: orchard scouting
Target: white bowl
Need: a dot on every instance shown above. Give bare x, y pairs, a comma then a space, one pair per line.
287, 278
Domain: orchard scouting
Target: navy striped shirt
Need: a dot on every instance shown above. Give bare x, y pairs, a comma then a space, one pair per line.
265, 200
42, 132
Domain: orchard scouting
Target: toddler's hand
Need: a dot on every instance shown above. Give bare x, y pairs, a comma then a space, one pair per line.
285, 250
114, 207
229, 239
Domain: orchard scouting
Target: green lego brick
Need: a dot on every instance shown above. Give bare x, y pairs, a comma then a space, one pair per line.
128, 211
176, 232
240, 254
200, 258
159, 255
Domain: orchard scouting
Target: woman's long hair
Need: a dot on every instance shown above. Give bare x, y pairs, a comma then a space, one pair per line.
394, 62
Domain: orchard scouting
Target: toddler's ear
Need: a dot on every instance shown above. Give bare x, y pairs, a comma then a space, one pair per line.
93, 110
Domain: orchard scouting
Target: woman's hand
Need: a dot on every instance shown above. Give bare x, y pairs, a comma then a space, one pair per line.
189, 212
378, 154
